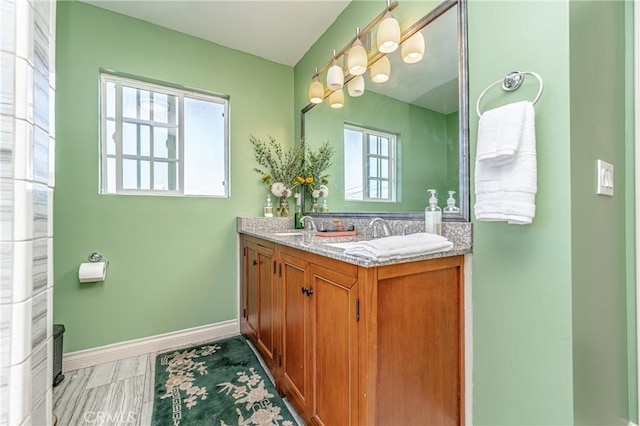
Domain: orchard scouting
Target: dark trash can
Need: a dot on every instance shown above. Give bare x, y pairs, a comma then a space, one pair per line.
58, 331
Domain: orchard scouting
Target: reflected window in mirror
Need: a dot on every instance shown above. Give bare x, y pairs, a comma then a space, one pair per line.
369, 164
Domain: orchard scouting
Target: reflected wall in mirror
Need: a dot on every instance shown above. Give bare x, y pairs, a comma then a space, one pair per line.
405, 136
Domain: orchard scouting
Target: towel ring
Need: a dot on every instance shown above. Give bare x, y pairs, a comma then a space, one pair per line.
511, 82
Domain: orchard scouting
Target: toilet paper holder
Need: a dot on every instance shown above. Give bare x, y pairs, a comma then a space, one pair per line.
97, 257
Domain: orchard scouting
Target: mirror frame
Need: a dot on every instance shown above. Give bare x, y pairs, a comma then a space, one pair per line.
463, 123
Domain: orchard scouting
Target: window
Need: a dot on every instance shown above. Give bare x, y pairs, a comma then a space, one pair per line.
369, 164
159, 140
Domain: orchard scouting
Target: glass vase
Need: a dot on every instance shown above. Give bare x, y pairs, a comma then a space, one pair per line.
314, 206
325, 206
283, 208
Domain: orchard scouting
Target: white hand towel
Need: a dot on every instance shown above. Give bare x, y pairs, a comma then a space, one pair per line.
507, 192
400, 247
500, 132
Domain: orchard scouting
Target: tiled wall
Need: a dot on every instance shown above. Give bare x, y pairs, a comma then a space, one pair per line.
27, 87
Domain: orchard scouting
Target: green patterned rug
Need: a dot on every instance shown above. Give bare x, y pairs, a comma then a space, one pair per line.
220, 384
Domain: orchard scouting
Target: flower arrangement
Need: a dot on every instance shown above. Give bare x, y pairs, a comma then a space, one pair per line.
315, 166
281, 170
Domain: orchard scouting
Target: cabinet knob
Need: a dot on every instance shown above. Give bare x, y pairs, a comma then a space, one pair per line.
255, 262
304, 290
307, 291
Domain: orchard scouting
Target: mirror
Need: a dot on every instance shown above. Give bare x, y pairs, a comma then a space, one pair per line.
405, 136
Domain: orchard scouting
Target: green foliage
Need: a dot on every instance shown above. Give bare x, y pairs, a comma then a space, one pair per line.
316, 163
276, 164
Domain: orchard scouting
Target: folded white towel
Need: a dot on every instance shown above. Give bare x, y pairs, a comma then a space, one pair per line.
400, 247
500, 132
507, 192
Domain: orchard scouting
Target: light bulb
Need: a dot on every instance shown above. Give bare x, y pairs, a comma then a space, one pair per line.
335, 77
355, 87
413, 49
357, 59
316, 92
381, 70
388, 35
336, 99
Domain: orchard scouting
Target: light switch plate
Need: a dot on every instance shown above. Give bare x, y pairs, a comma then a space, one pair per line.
604, 173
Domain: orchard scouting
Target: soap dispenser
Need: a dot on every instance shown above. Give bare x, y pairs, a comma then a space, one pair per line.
268, 207
451, 204
433, 215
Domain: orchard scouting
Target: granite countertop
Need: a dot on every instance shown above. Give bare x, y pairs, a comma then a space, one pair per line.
272, 229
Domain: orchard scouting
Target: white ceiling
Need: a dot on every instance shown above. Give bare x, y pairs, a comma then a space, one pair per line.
280, 31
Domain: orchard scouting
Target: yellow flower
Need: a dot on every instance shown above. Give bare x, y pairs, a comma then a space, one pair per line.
309, 179
300, 179
265, 176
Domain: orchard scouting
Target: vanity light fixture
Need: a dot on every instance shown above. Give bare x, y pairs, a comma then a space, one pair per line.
412, 49
316, 90
336, 99
357, 59
388, 37
335, 75
355, 87
381, 70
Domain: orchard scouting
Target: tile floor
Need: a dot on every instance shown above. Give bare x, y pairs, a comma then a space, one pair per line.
115, 393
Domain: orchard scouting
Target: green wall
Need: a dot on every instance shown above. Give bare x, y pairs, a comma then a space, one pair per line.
521, 278
550, 300
172, 260
598, 222
423, 147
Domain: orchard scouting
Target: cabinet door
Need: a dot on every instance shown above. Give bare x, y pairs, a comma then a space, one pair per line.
267, 306
250, 292
296, 353
334, 309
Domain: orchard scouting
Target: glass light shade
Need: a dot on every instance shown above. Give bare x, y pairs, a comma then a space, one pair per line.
357, 59
355, 87
336, 99
413, 49
388, 36
335, 77
316, 92
381, 70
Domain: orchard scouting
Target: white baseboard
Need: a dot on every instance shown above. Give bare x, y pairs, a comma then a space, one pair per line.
160, 342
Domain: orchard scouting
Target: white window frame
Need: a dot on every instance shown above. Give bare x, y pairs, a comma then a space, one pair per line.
392, 157
180, 95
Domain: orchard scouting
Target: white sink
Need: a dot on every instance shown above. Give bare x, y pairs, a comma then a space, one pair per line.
284, 234
344, 245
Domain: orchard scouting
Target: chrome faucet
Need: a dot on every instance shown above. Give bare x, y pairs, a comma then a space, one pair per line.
386, 230
308, 219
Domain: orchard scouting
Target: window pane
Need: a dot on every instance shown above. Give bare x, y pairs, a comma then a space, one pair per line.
129, 139
373, 188
160, 107
111, 175
384, 189
164, 143
145, 140
384, 147
204, 148
144, 104
111, 99
353, 165
130, 174
110, 136
384, 168
145, 175
164, 176
373, 167
129, 102
373, 145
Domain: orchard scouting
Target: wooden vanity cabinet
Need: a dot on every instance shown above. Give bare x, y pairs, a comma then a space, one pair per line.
261, 312
319, 368
350, 345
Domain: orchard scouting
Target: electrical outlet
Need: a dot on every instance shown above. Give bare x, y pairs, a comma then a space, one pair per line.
604, 173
